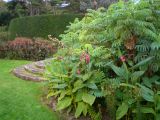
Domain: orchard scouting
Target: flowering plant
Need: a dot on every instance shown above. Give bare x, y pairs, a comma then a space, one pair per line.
74, 81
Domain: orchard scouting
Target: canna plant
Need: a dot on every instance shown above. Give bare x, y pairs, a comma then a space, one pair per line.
74, 81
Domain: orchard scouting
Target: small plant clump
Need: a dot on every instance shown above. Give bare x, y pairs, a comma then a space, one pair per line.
110, 63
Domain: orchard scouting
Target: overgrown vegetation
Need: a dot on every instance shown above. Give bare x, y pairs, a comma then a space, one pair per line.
108, 63
40, 26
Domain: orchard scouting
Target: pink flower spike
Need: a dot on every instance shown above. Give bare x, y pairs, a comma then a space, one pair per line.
78, 72
87, 58
123, 58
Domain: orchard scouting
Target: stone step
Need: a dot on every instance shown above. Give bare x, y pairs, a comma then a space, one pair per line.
33, 69
40, 64
23, 74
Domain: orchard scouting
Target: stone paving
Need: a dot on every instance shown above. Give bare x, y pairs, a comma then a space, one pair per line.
32, 72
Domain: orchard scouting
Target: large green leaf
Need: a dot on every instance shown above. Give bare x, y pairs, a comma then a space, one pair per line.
82, 107
62, 94
137, 75
121, 111
147, 110
64, 103
78, 97
156, 79
147, 93
88, 98
99, 93
59, 86
92, 86
87, 76
79, 109
119, 71
52, 93
78, 85
147, 82
143, 62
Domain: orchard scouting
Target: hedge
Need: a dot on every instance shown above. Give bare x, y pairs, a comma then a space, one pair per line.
40, 26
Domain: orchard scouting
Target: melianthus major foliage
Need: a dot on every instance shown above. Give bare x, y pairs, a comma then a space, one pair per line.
111, 58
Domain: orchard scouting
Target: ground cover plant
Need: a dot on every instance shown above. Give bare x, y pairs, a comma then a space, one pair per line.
108, 63
20, 100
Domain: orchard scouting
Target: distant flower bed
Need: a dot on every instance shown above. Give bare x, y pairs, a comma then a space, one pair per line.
25, 48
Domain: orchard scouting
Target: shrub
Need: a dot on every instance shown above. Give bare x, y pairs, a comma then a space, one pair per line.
24, 48
3, 34
3, 28
112, 54
3, 37
5, 17
40, 26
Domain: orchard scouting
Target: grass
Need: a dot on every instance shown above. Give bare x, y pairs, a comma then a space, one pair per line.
19, 99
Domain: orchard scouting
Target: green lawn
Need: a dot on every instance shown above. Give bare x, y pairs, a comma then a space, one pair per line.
19, 99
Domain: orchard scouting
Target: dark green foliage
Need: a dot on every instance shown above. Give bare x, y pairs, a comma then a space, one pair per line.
17, 8
40, 26
5, 18
10, 10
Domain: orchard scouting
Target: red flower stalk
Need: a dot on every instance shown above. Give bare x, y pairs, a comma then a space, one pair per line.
78, 72
86, 57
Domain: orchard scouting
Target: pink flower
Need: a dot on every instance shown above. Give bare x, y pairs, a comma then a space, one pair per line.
87, 58
78, 72
123, 58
